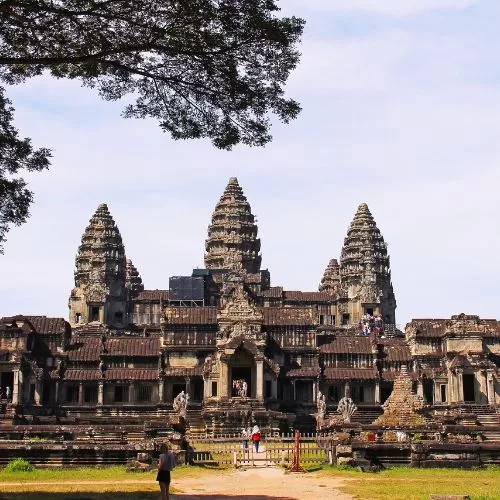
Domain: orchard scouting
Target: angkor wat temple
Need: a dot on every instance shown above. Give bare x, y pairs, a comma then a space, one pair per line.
129, 351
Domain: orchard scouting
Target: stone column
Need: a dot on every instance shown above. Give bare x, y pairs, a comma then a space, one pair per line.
491, 387
260, 379
460, 385
223, 380
420, 388
131, 393
100, 393
80, 393
483, 387
377, 391
274, 388
15, 388
347, 389
294, 390
188, 387
315, 391
38, 391
56, 395
161, 390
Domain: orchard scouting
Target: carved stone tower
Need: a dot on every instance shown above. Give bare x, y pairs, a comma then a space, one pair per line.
365, 269
100, 293
133, 280
232, 241
330, 282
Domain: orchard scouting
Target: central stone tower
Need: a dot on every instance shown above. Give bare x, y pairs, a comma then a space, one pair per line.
232, 242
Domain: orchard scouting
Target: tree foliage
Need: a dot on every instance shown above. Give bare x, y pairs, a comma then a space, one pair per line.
211, 69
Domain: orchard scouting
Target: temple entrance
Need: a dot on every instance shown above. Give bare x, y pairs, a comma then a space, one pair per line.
240, 374
242, 369
428, 391
6, 380
469, 394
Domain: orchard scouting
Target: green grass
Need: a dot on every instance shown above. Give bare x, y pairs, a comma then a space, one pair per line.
418, 484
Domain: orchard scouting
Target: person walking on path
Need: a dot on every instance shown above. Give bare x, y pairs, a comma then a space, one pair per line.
256, 438
166, 464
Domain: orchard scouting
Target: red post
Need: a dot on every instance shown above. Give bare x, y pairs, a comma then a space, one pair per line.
296, 455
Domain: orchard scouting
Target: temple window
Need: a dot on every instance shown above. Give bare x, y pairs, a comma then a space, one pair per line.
345, 319
214, 389
78, 318
90, 394
144, 394
94, 313
119, 317
369, 310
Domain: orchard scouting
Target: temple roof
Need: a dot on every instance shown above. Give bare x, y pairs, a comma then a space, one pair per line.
347, 345
48, 326
232, 241
152, 295
292, 316
132, 346
351, 373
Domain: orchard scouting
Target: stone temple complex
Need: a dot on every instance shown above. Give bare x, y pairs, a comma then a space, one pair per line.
126, 350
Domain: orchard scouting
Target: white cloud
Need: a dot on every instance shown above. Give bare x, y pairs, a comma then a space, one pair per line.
396, 8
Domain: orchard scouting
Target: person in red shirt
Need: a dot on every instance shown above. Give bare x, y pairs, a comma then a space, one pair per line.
256, 437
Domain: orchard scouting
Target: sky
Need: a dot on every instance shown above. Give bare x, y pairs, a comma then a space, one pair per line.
401, 110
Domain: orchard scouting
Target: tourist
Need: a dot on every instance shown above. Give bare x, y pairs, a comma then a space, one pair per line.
245, 436
256, 438
166, 463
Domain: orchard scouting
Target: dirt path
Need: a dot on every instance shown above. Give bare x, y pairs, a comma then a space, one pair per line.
259, 484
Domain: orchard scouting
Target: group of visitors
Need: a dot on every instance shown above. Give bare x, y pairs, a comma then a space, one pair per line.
253, 435
372, 324
240, 388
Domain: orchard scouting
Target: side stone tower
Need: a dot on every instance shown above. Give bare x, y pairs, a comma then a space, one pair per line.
365, 272
330, 282
133, 280
100, 293
232, 241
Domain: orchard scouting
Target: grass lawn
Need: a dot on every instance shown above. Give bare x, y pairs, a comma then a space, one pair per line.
107, 483
418, 484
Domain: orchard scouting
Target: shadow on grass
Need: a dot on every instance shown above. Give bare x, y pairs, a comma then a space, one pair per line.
132, 496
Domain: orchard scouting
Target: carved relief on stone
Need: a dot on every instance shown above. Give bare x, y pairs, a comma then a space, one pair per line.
96, 292
369, 293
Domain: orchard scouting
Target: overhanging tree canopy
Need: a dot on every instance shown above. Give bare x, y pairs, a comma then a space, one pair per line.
202, 68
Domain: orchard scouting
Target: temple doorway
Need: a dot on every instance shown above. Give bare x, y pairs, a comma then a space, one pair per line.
238, 374
6, 380
242, 369
469, 394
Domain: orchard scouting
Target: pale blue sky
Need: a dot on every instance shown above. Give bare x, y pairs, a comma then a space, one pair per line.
401, 110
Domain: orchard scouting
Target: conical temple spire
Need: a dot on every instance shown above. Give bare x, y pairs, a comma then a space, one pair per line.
364, 263
330, 282
101, 256
133, 280
232, 241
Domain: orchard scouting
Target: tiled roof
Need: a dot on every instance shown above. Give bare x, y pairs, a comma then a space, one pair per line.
389, 375
9, 324
139, 346
83, 375
297, 296
397, 353
131, 374
351, 373
297, 316
348, 344
84, 349
152, 295
273, 292
184, 372
191, 315
93, 328
312, 371
44, 325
